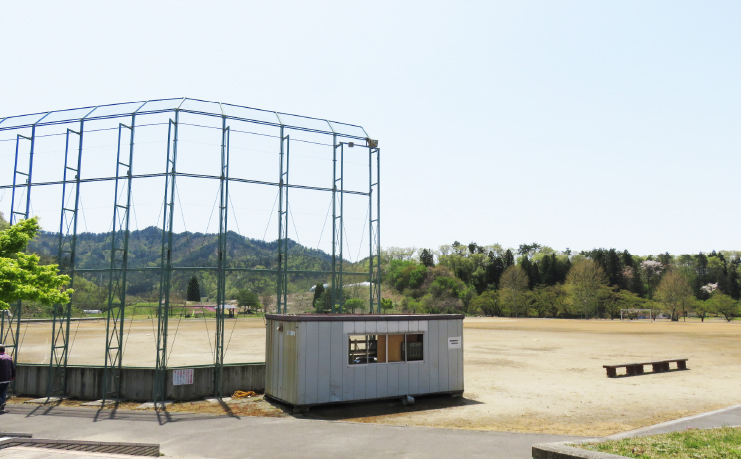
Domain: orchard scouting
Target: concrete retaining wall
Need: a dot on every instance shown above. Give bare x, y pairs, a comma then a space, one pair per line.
137, 383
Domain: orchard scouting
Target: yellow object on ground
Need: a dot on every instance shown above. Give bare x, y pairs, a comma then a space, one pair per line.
243, 394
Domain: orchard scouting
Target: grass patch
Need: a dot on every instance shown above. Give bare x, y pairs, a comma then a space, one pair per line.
721, 443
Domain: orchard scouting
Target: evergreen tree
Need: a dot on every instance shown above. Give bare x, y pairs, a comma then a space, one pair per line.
733, 279
564, 271
194, 290
546, 271
509, 259
426, 258
527, 266
494, 269
318, 290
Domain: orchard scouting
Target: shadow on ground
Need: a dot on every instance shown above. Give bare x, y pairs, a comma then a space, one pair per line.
360, 410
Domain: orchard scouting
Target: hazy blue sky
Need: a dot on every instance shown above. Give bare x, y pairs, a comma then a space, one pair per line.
572, 124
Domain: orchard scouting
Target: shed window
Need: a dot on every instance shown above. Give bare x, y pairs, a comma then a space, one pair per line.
365, 349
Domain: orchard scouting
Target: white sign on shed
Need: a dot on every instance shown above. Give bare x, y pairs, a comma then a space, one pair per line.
454, 342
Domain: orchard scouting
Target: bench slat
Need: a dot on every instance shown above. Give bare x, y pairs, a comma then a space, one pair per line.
644, 363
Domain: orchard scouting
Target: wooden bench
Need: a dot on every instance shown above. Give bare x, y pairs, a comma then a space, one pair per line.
637, 367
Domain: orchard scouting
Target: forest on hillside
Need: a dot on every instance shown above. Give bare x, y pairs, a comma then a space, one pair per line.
531, 281
190, 250
537, 281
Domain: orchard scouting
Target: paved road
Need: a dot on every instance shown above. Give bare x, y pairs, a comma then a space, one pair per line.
197, 436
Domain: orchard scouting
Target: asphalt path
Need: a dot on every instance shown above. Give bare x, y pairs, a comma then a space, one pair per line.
185, 435
197, 436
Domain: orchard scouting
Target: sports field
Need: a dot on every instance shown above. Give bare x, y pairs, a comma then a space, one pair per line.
525, 375
190, 342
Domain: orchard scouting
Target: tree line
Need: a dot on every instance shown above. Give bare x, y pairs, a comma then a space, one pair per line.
537, 281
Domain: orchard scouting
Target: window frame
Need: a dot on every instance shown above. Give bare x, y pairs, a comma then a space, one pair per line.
386, 335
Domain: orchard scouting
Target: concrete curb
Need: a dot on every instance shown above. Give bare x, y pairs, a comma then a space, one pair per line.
643, 430
562, 450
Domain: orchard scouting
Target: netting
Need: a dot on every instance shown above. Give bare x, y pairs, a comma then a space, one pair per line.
257, 206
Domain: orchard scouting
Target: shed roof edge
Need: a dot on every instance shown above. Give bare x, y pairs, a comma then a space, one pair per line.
360, 317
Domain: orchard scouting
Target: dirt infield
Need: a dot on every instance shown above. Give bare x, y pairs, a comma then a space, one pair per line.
190, 342
546, 375
523, 375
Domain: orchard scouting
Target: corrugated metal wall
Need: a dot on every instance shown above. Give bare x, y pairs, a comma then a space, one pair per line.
281, 359
312, 367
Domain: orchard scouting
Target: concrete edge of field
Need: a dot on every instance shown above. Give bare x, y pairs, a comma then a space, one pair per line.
648, 429
564, 450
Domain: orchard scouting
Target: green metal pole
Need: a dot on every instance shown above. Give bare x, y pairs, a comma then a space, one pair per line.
221, 272
378, 227
341, 285
119, 264
57, 380
163, 307
370, 230
282, 281
284, 178
19, 305
334, 222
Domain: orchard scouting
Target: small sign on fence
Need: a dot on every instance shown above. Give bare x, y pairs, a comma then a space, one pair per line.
181, 377
454, 342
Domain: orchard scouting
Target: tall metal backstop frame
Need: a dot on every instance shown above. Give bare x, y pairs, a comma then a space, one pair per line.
51, 157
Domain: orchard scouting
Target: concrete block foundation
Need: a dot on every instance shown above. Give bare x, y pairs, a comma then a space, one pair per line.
85, 382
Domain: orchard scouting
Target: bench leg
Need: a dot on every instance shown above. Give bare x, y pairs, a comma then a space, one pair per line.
611, 372
657, 367
681, 365
666, 366
631, 370
639, 369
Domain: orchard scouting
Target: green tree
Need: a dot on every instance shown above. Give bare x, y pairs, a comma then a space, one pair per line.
549, 300
488, 304
652, 272
427, 258
352, 304
512, 289
674, 292
323, 304
318, 291
248, 299
21, 275
386, 304
3, 223
194, 291
406, 274
724, 305
584, 281
702, 308
509, 259
613, 300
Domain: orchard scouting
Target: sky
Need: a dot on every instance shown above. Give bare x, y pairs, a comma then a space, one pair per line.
573, 124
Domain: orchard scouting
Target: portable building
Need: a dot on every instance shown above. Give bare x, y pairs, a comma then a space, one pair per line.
315, 359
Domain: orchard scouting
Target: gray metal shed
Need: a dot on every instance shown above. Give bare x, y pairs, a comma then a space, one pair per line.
315, 359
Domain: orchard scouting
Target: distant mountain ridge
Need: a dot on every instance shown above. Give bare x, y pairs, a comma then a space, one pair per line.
188, 250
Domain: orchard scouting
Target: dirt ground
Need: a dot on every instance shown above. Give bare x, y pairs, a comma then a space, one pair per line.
521, 375
190, 342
